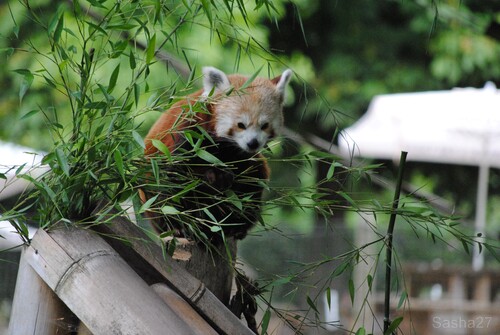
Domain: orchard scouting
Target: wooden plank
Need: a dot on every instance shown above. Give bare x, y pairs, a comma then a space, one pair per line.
36, 309
186, 285
98, 286
182, 308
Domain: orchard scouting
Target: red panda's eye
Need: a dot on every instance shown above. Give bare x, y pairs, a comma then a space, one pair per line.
241, 125
265, 126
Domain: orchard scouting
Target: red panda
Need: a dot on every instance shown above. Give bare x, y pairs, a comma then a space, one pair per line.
240, 118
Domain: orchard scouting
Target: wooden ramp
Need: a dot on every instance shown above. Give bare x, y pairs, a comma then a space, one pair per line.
129, 289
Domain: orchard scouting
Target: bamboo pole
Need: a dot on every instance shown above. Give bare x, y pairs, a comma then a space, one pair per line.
36, 308
99, 287
389, 236
185, 284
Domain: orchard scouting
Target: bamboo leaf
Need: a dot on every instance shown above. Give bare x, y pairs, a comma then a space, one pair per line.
113, 78
312, 305
265, 321
119, 162
208, 11
150, 50
59, 28
30, 114
169, 210
162, 148
54, 21
148, 204
62, 160
361, 331
351, 290
369, 280
394, 325
251, 78
281, 281
208, 157
137, 93
138, 139
329, 298
331, 170
212, 217
132, 61
26, 83
340, 269
402, 299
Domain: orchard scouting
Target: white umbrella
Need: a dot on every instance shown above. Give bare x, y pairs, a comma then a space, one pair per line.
460, 126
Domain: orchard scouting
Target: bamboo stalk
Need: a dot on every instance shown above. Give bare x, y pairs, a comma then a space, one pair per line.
388, 241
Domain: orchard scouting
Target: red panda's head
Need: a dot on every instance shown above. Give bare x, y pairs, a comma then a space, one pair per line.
248, 116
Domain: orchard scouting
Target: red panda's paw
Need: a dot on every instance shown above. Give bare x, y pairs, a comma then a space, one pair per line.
219, 179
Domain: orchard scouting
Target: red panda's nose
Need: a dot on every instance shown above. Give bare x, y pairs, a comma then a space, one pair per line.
253, 144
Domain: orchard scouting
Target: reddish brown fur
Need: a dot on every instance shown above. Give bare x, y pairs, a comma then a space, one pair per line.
170, 126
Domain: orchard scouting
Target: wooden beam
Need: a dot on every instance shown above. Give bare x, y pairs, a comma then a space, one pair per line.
185, 284
98, 285
36, 309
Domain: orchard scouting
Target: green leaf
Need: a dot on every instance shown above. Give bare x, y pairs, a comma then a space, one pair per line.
348, 198
8, 51
251, 79
329, 298
113, 78
369, 279
96, 105
331, 170
185, 190
59, 28
212, 217
169, 210
340, 269
265, 321
208, 157
30, 114
234, 199
208, 11
119, 162
465, 244
50, 82
62, 160
26, 83
54, 21
394, 325
351, 290
138, 139
150, 50
215, 229
402, 299
361, 331
312, 305
148, 204
281, 281
137, 93
166, 234
132, 62
118, 48
162, 148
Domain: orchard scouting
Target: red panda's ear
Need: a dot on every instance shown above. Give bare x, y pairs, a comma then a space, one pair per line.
214, 81
282, 81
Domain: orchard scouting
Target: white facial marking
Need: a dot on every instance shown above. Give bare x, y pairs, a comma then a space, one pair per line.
251, 139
